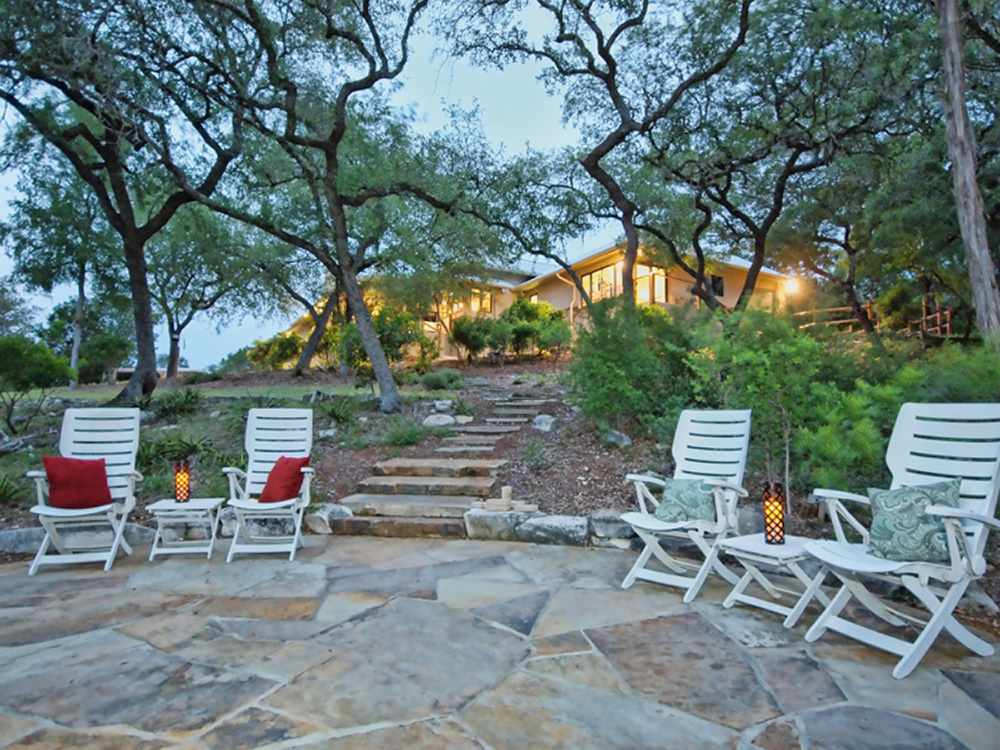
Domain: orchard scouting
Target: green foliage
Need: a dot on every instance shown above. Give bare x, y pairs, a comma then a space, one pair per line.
328, 350
501, 335
463, 408
340, 409
196, 378
178, 403
28, 373
440, 380
12, 492
238, 361
402, 432
535, 457
277, 352
472, 335
631, 368
554, 337
15, 313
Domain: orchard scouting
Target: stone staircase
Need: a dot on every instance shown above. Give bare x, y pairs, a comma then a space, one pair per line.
421, 497
418, 497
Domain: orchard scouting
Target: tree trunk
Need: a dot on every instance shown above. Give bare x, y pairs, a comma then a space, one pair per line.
74, 352
143, 380
174, 358
320, 324
389, 399
968, 198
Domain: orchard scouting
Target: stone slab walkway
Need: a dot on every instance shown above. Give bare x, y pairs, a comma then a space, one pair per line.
374, 643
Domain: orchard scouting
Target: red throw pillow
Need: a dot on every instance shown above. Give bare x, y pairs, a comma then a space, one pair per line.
284, 481
76, 483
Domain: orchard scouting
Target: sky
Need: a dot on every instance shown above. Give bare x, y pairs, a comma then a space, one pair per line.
515, 111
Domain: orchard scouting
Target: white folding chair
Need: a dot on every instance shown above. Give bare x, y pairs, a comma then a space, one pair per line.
76, 533
270, 434
929, 443
711, 446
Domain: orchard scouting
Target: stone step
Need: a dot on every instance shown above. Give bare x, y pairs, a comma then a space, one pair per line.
389, 526
477, 382
438, 467
479, 486
409, 506
485, 429
473, 439
512, 412
517, 402
457, 449
507, 420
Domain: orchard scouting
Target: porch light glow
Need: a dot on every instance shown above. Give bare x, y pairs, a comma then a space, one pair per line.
182, 481
791, 285
774, 513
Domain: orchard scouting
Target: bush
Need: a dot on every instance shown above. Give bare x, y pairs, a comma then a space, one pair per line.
28, 373
196, 378
341, 410
554, 337
276, 352
177, 403
440, 380
238, 361
472, 335
631, 369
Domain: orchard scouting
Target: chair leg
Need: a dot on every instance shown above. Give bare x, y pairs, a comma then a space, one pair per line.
939, 618
118, 526
42, 549
836, 606
639, 565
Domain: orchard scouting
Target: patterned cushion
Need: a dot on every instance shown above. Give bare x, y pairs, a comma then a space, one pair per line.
901, 531
686, 500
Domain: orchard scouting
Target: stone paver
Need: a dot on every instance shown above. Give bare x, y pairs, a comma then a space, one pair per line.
447, 645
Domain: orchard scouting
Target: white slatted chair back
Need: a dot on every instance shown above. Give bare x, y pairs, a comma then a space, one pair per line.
936, 442
271, 434
712, 445
108, 433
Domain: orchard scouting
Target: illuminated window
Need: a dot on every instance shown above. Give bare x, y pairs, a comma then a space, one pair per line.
660, 286
487, 305
533, 299
474, 304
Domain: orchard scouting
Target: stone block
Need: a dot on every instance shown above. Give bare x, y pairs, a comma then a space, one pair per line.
567, 530
439, 420
544, 422
318, 521
607, 524
444, 405
616, 439
496, 526
21, 541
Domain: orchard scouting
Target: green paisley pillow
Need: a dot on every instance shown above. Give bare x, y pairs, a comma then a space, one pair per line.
686, 500
901, 531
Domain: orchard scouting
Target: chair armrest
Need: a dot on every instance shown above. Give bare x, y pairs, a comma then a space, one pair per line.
647, 503
238, 483
35, 474
835, 507
233, 470
819, 496
646, 479
727, 486
308, 470
946, 511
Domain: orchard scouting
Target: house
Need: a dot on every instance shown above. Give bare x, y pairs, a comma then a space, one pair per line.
601, 275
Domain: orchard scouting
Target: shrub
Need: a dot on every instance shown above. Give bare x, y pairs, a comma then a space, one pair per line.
28, 374
196, 378
177, 403
440, 380
403, 432
535, 457
631, 368
554, 337
238, 361
276, 352
341, 410
472, 335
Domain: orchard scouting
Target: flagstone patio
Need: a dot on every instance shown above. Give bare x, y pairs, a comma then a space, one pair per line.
371, 643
